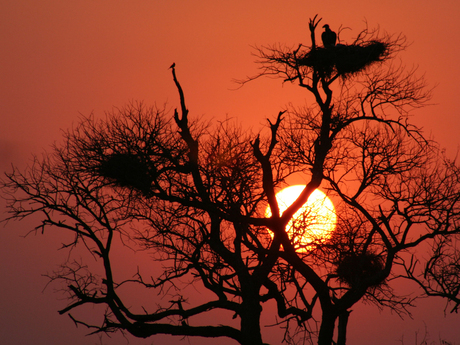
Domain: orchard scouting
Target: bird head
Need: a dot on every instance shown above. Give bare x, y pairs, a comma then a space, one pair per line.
326, 26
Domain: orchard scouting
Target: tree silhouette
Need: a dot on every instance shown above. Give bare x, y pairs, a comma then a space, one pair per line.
194, 196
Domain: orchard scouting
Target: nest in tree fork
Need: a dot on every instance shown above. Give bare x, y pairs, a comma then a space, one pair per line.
127, 170
344, 59
353, 268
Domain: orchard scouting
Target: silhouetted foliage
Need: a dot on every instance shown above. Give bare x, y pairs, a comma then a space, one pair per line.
193, 195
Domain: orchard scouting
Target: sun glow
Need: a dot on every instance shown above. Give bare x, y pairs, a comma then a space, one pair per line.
313, 223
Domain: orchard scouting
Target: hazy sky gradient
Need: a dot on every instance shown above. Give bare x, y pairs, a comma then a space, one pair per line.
63, 59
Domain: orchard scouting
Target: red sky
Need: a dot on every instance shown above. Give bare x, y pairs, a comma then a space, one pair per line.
60, 59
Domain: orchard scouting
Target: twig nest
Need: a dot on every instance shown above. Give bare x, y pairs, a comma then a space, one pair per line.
353, 268
127, 170
344, 59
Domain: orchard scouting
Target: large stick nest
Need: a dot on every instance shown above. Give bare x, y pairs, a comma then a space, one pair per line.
344, 59
127, 170
353, 268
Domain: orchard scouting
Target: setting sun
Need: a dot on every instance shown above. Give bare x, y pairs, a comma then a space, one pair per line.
313, 222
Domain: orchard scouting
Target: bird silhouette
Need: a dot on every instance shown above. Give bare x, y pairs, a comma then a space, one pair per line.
173, 65
329, 37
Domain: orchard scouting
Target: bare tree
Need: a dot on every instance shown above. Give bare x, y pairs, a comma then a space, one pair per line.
194, 195
396, 188
440, 275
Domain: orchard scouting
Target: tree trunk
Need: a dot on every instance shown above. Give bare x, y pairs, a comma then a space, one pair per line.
342, 328
326, 331
250, 322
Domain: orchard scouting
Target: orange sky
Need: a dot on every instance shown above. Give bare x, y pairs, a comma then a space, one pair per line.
60, 59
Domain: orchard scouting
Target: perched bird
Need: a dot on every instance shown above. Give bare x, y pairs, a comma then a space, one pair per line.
329, 37
173, 65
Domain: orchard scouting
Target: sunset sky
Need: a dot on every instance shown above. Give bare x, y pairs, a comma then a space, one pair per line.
63, 59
